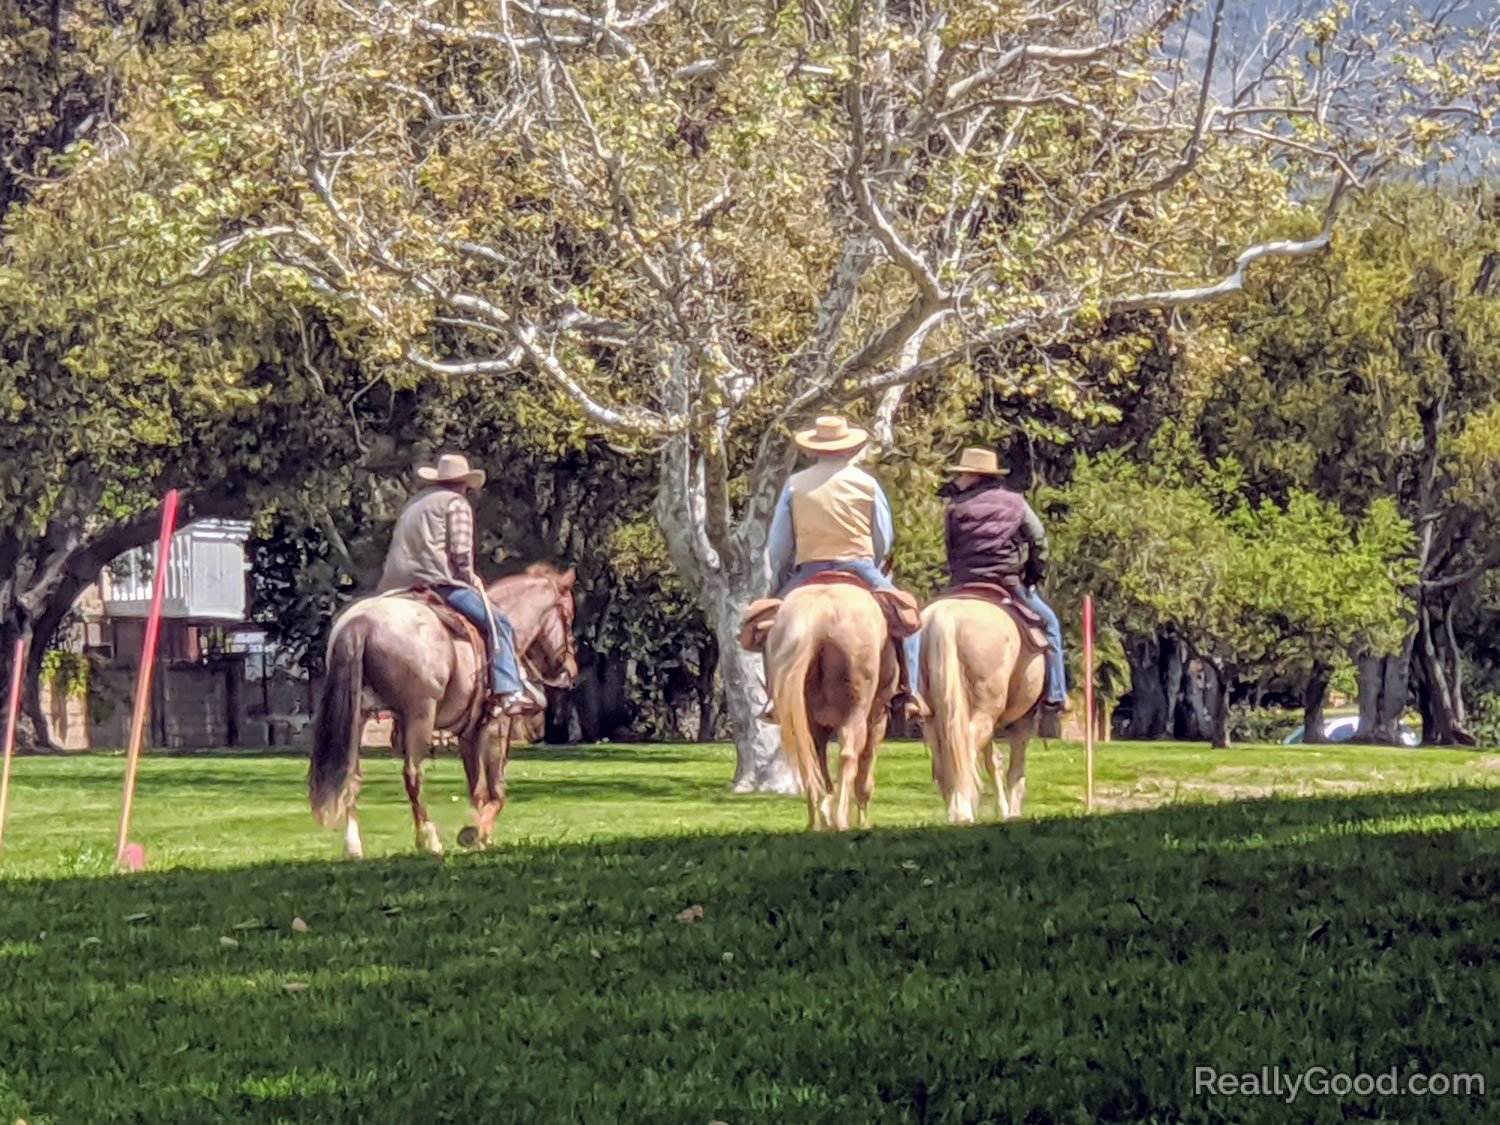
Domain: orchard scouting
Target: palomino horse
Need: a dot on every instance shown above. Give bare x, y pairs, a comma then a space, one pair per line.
981, 679
835, 675
395, 653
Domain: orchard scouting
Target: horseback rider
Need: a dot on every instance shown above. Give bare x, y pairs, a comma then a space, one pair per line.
988, 525
433, 548
835, 516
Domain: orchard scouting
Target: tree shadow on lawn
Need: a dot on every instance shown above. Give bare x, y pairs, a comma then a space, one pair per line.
1065, 969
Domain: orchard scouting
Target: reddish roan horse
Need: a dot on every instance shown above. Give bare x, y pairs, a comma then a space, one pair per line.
394, 653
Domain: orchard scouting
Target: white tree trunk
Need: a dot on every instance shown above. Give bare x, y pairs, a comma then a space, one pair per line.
759, 766
725, 577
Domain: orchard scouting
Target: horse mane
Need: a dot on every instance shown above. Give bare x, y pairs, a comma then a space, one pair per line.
538, 572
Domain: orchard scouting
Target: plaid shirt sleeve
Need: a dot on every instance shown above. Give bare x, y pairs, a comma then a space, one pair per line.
461, 539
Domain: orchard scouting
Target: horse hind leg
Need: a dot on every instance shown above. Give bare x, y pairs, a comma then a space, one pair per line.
354, 845
416, 737
495, 750
852, 738
1019, 736
989, 745
820, 798
864, 782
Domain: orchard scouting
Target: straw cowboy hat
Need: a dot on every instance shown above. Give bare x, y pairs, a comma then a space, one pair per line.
832, 434
979, 463
450, 469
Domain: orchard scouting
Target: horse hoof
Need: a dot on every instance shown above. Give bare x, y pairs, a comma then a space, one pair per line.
468, 837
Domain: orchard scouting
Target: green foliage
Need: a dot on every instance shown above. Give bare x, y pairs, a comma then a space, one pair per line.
1262, 724
1245, 587
66, 672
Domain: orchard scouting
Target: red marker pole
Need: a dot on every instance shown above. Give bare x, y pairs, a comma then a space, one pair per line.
143, 677
1088, 699
12, 719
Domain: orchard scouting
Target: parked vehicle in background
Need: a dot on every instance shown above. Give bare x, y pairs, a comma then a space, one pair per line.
1341, 728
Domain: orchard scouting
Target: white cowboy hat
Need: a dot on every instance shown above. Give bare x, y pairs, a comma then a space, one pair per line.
980, 463
832, 434
450, 469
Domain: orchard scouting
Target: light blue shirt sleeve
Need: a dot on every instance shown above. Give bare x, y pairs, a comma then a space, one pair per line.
885, 526
781, 543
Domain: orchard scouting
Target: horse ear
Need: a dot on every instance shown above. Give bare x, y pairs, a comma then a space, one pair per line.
568, 580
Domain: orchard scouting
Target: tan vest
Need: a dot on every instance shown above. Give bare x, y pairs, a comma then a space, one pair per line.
419, 545
833, 512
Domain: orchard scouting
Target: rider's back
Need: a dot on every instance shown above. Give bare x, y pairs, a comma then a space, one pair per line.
419, 555
833, 510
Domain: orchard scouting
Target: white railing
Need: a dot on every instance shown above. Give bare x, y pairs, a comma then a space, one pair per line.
205, 575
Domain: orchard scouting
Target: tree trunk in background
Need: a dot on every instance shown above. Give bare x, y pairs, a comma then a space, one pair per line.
1197, 711
1150, 715
1438, 675
1384, 682
1183, 721
706, 687
759, 766
615, 710
1217, 686
587, 698
1314, 696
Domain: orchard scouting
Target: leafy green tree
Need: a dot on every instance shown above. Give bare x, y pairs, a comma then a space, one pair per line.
1375, 374
122, 372
1245, 588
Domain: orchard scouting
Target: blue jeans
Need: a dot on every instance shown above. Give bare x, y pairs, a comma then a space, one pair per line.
1057, 667
505, 674
870, 574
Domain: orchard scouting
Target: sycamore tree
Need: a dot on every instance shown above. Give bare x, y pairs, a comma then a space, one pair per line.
695, 224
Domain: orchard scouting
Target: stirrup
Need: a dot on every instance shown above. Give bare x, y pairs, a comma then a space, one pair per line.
913, 706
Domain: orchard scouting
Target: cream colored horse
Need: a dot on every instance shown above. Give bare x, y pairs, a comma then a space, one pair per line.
835, 673
982, 681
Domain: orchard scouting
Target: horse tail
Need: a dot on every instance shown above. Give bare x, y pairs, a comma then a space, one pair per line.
790, 693
950, 733
332, 777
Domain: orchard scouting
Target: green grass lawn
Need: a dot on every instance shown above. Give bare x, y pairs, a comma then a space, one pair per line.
1057, 969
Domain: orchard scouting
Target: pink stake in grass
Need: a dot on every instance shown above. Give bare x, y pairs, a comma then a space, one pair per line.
1088, 700
12, 719
127, 855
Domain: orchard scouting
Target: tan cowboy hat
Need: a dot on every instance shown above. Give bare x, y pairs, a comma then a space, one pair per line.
832, 434
980, 463
450, 469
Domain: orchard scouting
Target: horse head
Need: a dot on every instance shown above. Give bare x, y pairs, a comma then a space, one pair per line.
542, 597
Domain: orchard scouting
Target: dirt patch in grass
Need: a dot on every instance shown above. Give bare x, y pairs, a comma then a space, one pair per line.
1241, 783
1489, 762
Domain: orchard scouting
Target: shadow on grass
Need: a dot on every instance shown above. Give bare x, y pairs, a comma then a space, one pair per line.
1049, 970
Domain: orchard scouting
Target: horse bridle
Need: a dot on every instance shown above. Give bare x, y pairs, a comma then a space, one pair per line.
564, 679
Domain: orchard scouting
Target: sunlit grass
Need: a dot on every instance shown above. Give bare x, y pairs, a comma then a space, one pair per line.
207, 811
643, 946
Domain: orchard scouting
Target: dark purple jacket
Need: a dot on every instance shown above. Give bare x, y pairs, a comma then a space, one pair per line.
986, 528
